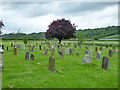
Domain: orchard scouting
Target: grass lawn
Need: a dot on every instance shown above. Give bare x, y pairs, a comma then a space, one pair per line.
73, 74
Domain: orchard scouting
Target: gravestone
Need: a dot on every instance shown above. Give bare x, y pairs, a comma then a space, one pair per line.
32, 57
46, 51
98, 55
7, 48
96, 49
90, 53
51, 64
52, 51
75, 46
101, 48
60, 54
27, 55
110, 53
3, 47
11, 44
105, 63
86, 52
73, 49
77, 54
37, 46
86, 59
67, 51
20, 46
23, 47
114, 50
106, 46
15, 51
70, 51
80, 46
40, 47
32, 49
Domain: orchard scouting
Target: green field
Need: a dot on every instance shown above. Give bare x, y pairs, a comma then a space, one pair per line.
72, 73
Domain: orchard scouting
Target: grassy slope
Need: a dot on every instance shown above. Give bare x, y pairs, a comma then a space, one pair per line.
30, 74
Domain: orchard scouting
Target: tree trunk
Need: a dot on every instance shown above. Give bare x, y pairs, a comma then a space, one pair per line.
59, 41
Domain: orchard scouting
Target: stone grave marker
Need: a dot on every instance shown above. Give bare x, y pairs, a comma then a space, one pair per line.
105, 63
46, 51
80, 46
52, 51
20, 46
3, 47
86, 59
32, 49
101, 48
75, 46
77, 54
98, 55
90, 53
7, 48
11, 44
23, 47
37, 46
96, 49
86, 52
73, 49
15, 51
67, 51
106, 46
51, 64
32, 57
110, 53
27, 55
70, 51
40, 47
60, 54
113, 50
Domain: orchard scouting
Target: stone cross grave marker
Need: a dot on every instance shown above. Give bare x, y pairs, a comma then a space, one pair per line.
46, 51
27, 55
32, 57
51, 64
90, 53
105, 63
98, 55
86, 59
15, 51
110, 53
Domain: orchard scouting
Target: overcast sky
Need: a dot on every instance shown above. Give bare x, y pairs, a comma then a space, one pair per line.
32, 17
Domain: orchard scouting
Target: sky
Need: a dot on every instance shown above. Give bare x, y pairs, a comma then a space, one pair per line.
29, 17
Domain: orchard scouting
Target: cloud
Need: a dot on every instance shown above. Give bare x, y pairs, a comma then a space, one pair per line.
35, 17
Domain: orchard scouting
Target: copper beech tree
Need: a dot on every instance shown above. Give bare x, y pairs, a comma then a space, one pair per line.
61, 29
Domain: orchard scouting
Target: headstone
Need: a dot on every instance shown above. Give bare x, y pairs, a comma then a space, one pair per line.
80, 46
37, 46
15, 51
11, 44
101, 48
86, 52
106, 46
105, 63
3, 47
46, 51
70, 51
110, 53
98, 55
67, 51
32, 57
51, 64
86, 59
77, 54
114, 50
73, 49
52, 51
7, 48
90, 53
23, 47
27, 55
20, 46
32, 49
40, 47
60, 54
75, 46
96, 49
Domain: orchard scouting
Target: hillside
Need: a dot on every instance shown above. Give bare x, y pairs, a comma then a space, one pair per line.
106, 32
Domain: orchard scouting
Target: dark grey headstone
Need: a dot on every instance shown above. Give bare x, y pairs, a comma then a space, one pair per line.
51, 64
32, 57
27, 55
105, 63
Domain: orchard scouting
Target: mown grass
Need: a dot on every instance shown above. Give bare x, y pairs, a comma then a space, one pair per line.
73, 74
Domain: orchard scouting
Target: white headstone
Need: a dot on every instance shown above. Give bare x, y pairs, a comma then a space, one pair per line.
86, 59
98, 55
90, 53
67, 51
24, 47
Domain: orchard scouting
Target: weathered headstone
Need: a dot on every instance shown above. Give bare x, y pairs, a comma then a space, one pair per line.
98, 55
75, 46
46, 51
86, 59
51, 64
106, 46
86, 52
96, 49
40, 47
70, 51
32, 49
60, 54
32, 57
73, 49
80, 46
20, 46
67, 51
77, 54
90, 53
7, 48
15, 51
3, 47
27, 55
114, 50
11, 44
105, 63
110, 53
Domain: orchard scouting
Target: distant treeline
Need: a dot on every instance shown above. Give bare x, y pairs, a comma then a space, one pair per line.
89, 34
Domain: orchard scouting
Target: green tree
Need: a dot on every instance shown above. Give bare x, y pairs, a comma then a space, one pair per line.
25, 40
80, 37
